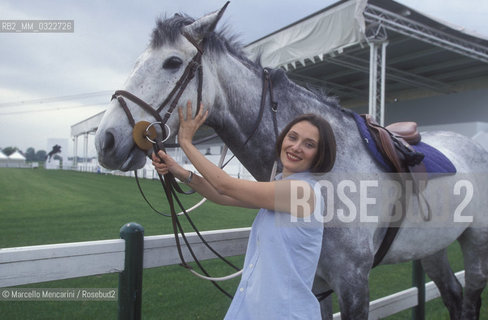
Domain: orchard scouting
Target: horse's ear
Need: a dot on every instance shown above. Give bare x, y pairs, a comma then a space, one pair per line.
206, 24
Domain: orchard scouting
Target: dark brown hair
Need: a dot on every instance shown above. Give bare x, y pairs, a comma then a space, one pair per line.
326, 153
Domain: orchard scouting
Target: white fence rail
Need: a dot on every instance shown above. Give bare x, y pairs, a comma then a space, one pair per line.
34, 264
24, 265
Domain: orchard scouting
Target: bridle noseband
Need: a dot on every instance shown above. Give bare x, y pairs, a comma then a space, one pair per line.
140, 132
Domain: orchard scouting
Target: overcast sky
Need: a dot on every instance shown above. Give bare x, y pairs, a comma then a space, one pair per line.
93, 61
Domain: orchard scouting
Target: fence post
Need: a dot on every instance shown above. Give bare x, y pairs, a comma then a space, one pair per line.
130, 280
418, 280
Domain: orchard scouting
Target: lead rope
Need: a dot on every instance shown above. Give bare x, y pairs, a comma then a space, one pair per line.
170, 186
177, 229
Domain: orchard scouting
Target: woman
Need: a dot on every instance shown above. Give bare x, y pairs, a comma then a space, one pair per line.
285, 240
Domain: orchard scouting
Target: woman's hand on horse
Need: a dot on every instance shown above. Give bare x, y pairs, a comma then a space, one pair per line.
188, 124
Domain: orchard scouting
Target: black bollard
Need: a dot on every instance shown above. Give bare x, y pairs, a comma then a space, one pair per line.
130, 280
418, 280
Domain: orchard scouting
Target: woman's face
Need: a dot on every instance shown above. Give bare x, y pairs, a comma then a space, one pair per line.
299, 148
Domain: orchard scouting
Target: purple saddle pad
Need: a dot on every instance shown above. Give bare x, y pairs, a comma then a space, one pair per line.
435, 161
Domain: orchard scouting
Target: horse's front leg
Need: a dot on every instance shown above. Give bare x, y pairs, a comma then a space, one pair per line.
345, 267
353, 293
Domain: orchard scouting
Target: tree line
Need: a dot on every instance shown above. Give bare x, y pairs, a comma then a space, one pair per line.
30, 154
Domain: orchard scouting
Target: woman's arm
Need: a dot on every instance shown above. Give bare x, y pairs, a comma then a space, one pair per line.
276, 195
197, 183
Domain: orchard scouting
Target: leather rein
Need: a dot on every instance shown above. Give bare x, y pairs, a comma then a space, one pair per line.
145, 138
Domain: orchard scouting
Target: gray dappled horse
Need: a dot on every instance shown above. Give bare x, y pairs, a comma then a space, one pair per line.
232, 91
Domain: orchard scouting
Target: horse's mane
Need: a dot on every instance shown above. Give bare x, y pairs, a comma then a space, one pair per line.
321, 95
168, 30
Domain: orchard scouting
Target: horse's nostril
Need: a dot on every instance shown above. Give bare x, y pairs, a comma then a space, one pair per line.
109, 141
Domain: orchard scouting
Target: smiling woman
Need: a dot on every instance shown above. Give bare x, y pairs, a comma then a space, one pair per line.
299, 149
280, 247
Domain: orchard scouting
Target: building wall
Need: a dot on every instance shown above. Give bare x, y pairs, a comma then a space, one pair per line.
464, 112
463, 107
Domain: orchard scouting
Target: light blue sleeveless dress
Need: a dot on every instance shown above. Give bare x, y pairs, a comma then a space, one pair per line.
279, 267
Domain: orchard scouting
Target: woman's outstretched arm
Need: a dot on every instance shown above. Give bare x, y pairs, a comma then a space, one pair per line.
197, 183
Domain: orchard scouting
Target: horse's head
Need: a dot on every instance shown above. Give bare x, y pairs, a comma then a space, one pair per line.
156, 82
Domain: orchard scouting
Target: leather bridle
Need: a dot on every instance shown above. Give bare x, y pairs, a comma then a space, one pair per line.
142, 134
193, 67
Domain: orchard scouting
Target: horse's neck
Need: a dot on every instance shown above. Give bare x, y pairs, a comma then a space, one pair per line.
237, 109
235, 116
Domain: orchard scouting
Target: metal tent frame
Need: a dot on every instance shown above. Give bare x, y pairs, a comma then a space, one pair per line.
402, 54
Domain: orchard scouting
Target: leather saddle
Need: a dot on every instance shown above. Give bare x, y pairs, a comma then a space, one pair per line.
395, 144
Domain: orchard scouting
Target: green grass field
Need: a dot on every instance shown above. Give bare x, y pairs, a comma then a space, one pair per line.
41, 207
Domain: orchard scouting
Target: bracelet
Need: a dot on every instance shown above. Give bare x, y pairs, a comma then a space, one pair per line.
190, 177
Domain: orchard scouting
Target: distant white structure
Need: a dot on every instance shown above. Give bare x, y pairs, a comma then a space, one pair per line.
3, 159
84, 129
16, 160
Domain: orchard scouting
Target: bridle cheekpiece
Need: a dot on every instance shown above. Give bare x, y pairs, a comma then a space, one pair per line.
143, 132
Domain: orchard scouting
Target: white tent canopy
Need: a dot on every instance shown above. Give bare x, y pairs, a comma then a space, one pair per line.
342, 26
17, 156
15, 160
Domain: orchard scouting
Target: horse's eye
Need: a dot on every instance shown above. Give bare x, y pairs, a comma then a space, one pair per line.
172, 63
